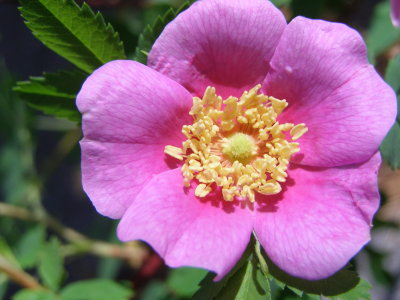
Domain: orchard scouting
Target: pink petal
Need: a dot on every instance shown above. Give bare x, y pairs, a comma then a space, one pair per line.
321, 220
321, 68
130, 112
185, 230
223, 43
395, 12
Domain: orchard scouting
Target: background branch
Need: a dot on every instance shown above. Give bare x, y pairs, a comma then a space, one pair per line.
18, 276
134, 253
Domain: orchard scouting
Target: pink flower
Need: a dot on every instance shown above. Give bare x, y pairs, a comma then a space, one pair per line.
395, 12
133, 113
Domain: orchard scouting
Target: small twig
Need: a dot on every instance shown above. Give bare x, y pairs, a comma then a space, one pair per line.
18, 276
134, 253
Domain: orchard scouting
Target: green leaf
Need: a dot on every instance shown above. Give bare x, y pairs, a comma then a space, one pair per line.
382, 34
51, 268
339, 283
8, 103
244, 281
7, 253
108, 267
311, 297
17, 169
392, 77
304, 297
185, 281
54, 93
392, 74
360, 292
210, 289
155, 290
29, 246
151, 32
96, 289
3, 285
390, 147
34, 295
247, 283
344, 283
248, 280
280, 3
74, 32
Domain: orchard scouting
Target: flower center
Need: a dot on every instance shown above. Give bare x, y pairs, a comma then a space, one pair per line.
237, 145
240, 147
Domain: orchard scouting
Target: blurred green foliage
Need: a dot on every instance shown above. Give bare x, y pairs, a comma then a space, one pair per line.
381, 34
391, 145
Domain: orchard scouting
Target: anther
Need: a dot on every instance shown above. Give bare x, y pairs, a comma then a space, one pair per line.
237, 145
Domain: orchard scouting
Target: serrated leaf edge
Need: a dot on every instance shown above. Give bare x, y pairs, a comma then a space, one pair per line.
98, 17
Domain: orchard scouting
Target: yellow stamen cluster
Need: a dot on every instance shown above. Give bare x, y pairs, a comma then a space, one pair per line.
237, 144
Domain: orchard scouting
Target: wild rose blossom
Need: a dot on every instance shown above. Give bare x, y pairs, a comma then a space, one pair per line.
293, 160
395, 12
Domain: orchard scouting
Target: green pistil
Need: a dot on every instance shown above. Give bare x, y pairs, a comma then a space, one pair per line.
240, 147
